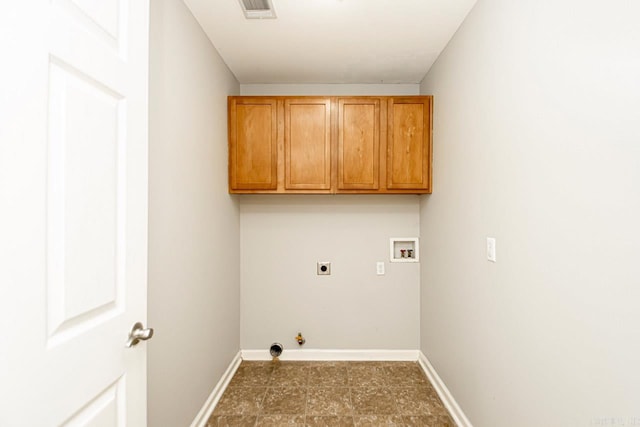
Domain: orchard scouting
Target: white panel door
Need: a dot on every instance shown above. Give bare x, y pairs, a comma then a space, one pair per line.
73, 211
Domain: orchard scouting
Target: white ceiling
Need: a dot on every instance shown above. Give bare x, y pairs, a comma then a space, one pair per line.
332, 41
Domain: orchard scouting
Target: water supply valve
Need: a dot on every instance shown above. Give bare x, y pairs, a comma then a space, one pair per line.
300, 339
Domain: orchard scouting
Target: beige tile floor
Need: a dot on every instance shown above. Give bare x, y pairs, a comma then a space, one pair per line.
330, 394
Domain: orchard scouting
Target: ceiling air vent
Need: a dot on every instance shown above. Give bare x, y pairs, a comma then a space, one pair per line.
258, 9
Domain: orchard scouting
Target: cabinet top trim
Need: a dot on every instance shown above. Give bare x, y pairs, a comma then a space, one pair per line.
329, 96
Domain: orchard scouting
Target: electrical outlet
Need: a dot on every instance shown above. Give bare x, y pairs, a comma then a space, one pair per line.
380, 268
491, 249
324, 268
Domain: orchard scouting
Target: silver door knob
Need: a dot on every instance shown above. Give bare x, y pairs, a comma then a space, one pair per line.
137, 334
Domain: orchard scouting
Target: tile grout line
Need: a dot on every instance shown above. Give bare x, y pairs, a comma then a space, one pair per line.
306, 402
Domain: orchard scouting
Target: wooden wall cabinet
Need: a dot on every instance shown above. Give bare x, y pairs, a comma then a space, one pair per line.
358, 144
344, 145
253, 153
307, 143
409, 144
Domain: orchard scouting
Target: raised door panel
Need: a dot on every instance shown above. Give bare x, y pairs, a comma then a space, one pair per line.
307, 142
253, 144
358, 144
409, 144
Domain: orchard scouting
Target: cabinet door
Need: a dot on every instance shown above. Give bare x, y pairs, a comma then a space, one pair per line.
252, 144
409, 143
358, 144
307, 143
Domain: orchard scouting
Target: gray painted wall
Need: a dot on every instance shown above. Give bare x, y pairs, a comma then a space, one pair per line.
282, 239
537, 143
194, 273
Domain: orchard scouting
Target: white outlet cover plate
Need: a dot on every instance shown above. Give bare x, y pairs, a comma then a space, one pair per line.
491, 249
326, 271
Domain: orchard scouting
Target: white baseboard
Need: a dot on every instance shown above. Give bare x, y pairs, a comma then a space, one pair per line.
203, 416
330, 355
449, 402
